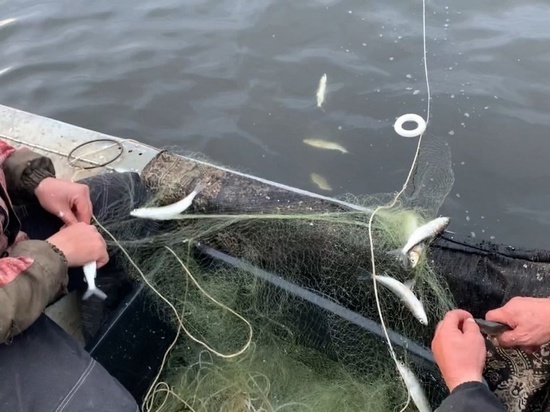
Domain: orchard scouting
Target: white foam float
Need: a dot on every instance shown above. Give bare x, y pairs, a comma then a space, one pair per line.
410, 117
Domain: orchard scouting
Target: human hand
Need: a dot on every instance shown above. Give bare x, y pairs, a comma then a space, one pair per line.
67, 200
528, 318
459, 349
81, 243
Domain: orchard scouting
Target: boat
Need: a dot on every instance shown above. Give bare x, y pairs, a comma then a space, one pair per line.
481, 275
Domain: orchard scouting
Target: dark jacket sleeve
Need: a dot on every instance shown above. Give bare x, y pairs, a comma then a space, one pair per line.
471, 397
24, 170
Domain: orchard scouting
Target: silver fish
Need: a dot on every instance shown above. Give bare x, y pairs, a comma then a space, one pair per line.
168, 212
421, 234
414, 387
415, 254
405, 293
321, 90
325, 144
90, 271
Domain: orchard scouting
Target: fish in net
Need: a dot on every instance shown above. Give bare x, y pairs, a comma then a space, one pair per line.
293, 306
266, 287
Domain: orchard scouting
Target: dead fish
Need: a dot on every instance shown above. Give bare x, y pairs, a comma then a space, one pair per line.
410, 224
404, 292
169, 212
321, 90
414, 387
421, 234
90, 271
325, 144
320, 181
415, 254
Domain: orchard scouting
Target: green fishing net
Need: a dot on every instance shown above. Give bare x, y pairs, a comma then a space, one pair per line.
270, 290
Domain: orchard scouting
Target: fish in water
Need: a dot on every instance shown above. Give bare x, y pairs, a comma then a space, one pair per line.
168, 212
414, 387
321, 90
421, 234
320, 181
325, 144
405, 293
90, 271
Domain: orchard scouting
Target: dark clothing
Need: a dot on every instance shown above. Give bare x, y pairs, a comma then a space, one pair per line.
471, 397
44, 369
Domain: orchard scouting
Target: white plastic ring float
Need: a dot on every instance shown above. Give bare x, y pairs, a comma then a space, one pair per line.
410, 117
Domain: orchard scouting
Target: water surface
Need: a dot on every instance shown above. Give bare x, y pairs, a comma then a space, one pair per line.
236, 80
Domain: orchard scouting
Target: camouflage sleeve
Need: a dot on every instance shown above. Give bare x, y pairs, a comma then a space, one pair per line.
31, 276
24, 170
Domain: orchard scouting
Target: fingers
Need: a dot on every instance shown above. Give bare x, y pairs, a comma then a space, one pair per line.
83, 209
455, 318
458, 315
452, 322
507, 339
103, 255
67, 216
513, 338
497, 315
438, 327
470, 327
102, 261
82, 204
531, 349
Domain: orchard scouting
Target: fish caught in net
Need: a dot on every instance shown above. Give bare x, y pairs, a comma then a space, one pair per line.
269, 289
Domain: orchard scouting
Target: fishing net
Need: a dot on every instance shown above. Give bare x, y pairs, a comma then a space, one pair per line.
269, 288
270, 291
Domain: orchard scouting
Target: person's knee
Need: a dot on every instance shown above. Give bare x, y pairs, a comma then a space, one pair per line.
81, 384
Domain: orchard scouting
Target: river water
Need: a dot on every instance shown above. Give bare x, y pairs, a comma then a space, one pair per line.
236, 81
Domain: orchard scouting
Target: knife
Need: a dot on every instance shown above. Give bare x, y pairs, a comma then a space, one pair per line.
492, 328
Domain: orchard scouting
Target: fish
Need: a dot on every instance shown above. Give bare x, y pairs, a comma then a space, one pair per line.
168, 212
321, 90
410, 224
325, 144
90, 271
415, 254
405, 293
320, 181
421, 234
414, 387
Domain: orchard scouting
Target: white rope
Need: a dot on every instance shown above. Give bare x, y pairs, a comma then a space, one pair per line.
395, 199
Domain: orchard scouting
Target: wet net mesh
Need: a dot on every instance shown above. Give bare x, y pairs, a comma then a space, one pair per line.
270, 292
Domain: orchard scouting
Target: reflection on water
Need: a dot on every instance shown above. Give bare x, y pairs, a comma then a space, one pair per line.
236, 80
